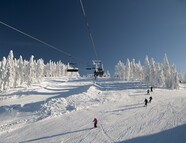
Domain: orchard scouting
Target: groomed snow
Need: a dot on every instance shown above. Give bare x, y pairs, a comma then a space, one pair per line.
61, 110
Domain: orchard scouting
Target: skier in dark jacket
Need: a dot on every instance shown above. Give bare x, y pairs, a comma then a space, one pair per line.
146, 101
148, 91
151, 89
95, 122
150, 98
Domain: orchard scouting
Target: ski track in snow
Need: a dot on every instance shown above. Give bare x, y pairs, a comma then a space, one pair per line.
119, 107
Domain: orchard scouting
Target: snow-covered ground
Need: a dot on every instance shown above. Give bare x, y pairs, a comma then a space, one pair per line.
61, 111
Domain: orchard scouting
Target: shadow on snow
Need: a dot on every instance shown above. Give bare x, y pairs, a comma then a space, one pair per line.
52, 136
128, 107
121, 85
174, 135
31, 107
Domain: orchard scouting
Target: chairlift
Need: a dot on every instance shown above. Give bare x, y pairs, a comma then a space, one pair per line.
89, 67
72, 67
98, 66
99, 72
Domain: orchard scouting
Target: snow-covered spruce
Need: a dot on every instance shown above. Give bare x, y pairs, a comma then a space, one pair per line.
14, 73
152, 73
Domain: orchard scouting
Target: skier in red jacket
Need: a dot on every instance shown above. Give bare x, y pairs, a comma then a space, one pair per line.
95, 122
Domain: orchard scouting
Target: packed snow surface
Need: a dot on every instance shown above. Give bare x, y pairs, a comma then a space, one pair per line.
61, 110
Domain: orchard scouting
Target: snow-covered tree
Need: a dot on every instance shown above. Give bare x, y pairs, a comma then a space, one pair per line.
174, 78
167, 72
133, 70
9, 72
15, 72
160, 76
21, 69
120, 71
147, 70
17, 78
127, 70
2, 74
39, 70
154, 74
31, 71
58, 69
139, 71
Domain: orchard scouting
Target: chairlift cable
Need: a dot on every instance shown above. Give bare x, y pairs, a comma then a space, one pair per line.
42, 42
96, 63
89, 31
36, 39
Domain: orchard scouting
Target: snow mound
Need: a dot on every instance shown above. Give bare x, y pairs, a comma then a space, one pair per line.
94, 90
57, 106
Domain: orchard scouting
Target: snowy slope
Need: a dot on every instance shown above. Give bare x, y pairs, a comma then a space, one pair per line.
62, 110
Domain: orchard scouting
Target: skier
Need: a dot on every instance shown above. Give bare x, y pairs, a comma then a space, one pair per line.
148, 92
146, 101
95, 122
95, 75
150, 98
151, 89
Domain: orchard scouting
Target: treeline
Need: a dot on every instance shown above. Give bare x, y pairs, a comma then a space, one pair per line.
154, 74
16, 72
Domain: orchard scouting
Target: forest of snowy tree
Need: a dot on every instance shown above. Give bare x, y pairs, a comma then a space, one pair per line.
16, 72
154, 74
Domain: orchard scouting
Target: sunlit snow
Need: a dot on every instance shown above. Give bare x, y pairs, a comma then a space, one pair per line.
61, 110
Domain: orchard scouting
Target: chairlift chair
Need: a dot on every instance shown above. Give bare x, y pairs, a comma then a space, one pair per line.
88, 67
72, 67
98, 66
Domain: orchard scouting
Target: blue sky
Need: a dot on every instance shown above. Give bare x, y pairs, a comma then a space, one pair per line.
121, 29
